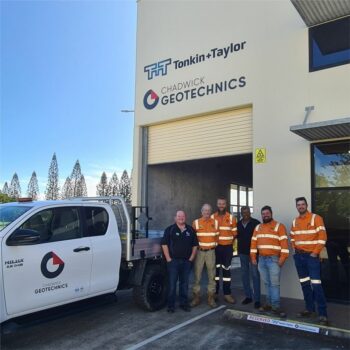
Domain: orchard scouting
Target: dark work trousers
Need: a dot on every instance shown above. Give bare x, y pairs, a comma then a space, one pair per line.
309, 271
178, 269
223, 257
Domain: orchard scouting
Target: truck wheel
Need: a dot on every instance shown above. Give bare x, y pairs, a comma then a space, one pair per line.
152, 294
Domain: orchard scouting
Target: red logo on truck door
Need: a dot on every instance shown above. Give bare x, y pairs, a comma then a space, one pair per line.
53, 260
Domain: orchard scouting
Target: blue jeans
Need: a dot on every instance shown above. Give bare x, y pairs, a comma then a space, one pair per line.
309, 271
246, 268
270, 274
178, 269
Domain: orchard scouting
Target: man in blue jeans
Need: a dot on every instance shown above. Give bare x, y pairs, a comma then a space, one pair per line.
179, 245
245, 229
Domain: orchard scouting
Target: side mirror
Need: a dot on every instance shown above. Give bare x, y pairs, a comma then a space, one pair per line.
23, 237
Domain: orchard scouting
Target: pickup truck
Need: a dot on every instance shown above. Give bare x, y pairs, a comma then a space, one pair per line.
58, 252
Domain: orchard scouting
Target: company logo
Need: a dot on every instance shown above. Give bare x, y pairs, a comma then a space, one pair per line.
56, 261
156, 69
150, 99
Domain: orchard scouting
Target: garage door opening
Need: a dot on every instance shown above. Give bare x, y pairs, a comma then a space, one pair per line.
187, 185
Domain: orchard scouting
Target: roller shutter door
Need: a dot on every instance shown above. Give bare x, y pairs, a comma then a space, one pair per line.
207, 136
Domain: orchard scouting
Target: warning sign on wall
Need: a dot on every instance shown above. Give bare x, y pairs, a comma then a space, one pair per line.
260, 155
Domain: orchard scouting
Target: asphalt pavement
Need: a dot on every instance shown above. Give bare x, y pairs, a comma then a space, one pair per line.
103, 323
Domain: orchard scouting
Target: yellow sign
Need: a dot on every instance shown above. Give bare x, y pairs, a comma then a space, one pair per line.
260, 155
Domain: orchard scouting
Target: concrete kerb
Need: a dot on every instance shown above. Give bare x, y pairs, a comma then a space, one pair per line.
263, 319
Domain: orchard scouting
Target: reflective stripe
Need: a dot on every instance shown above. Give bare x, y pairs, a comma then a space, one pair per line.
225, 268
320, 228
216, 224
231, 219
254, 238
305, 232
234, 229
285, 251
277, 226
276, 247
292, 240
212, 216
316, 281
253, 250
217, 278
226, 238
310, 242
212, 244
313, 219
257, 227
283, 237
292, 233
206, 234
218, 265
226, 279
224, 228
304, 279
266, 235
196, 224
294, 223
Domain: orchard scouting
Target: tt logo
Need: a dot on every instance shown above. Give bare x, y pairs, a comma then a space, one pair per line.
159, 68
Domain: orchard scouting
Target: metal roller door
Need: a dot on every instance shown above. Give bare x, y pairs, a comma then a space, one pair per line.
207, 136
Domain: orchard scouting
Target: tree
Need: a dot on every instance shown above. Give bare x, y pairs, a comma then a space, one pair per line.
5, 188
114, 185
82, 190
75, 179
103, 189
67, 189
52, 188
33, 187
125, 187
15, 187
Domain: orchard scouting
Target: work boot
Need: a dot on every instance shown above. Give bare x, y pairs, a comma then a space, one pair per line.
229, 299
211, 300
306, 314
323, 321
265, 308
196, 300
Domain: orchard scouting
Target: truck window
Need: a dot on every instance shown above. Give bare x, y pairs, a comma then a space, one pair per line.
55, 225
96, 219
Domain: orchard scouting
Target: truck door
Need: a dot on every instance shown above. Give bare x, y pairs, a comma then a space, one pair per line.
101, 227
54, 270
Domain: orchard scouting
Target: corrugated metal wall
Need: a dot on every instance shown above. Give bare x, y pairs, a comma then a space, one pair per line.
208, 136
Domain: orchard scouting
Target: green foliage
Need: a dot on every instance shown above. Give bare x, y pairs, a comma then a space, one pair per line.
4, 198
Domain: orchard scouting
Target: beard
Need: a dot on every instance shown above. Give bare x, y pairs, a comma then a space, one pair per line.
265, 221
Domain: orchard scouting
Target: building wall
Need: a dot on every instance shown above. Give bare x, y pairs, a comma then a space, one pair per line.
274, 63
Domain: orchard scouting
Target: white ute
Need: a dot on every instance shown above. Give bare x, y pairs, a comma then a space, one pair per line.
58, 252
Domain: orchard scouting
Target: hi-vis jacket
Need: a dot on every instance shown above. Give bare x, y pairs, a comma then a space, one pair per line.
227, 228
308, 233
207, 232
270, 239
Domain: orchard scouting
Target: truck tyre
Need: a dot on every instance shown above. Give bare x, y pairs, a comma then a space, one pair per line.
152, 293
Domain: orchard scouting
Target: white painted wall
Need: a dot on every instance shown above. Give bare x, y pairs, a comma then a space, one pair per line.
279, 86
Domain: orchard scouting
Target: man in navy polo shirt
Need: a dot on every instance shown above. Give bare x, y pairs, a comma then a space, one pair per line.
179, 245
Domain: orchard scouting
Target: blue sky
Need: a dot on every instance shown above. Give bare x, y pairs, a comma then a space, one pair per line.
67, 69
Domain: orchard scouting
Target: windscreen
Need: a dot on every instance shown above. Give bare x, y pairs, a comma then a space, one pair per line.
9, 214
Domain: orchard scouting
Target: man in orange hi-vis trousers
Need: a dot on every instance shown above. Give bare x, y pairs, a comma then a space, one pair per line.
224, 250
308, 237
270, 241
207, 230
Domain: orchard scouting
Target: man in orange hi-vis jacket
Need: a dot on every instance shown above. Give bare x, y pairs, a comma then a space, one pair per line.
207, 230
271, 243
308, 237
224, 250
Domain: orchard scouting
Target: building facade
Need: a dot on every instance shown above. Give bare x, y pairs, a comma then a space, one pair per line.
250, 100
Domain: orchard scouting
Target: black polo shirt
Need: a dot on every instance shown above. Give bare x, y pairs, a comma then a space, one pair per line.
180, 244
244, 235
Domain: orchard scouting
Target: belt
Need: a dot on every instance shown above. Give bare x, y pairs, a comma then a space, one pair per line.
300, 251
205, 250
